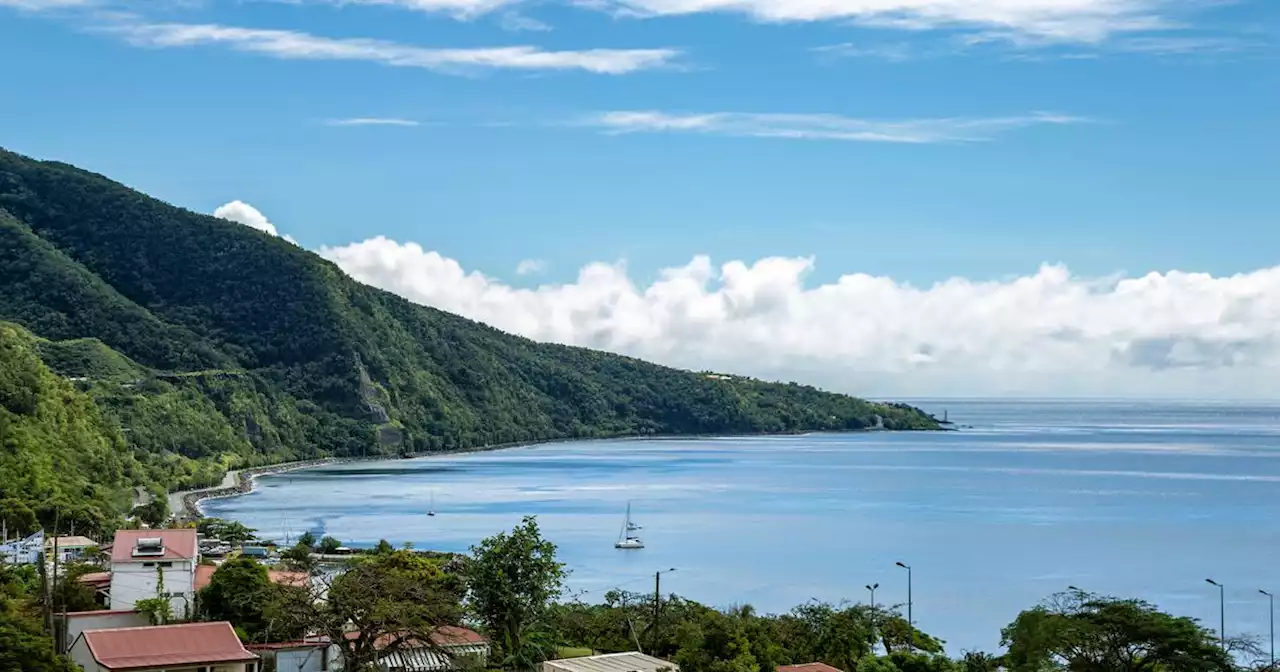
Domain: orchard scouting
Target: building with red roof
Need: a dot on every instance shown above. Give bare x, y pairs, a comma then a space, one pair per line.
139, 558
188, 647
809, 667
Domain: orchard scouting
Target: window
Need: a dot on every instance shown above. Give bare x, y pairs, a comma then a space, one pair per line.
148, 564
166, 564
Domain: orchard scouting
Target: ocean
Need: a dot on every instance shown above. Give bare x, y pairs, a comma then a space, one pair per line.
1126, 498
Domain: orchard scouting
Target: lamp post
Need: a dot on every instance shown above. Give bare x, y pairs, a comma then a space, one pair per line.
872, 587
657, 604
910, 620
1222, 612
1271, 599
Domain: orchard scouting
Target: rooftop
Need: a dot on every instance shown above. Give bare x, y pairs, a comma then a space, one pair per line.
613, 662
166, 646
177, 544
808, 667
70, 542
204, 574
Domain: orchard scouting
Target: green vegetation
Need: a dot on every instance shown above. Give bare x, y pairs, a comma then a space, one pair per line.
25, 645
200, 345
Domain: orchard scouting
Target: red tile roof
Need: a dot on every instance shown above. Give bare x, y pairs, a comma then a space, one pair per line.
188, 644
99, 612
178, 545
808, 667
204, 574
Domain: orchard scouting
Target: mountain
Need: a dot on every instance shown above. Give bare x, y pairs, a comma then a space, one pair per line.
214, 344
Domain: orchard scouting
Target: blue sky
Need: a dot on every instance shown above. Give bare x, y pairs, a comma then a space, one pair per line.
913, 140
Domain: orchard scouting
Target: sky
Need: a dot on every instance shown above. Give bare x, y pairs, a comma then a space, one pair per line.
883, 197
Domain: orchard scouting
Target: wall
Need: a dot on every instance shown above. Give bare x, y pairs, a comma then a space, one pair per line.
301, 660
133, 581
80, 655
97, 620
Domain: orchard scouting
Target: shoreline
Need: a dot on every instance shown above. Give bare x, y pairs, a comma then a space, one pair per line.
244, 478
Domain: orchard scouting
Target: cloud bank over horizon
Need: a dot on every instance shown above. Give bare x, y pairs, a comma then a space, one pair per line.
1048, 333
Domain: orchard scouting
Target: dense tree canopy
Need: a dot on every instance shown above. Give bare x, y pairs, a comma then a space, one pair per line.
207, 345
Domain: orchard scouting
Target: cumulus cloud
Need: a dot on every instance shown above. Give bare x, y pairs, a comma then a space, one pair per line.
243, 213
1047, 333
371, 121
296, 45
822, 126
531, 266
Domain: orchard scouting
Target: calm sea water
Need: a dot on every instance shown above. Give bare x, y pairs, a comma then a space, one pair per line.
1135, 499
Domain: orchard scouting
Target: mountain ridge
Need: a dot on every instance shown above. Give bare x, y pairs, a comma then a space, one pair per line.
269, 352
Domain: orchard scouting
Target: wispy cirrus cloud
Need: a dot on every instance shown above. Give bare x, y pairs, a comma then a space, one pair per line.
297, 45
39, 5
823, 126
371, 121
531, 266
519, 23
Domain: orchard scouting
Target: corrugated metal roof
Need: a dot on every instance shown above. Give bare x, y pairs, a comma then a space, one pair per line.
178, 545
611, 662
426, 660
808, 667
166, 645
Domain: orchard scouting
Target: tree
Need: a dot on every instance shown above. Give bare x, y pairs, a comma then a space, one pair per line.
17, 517
513, 578
1087, 632
383, 546
381, 604
24, 646
153, 513
329, 545
307, 539
238, 592
72, 595
230, 531
299, 558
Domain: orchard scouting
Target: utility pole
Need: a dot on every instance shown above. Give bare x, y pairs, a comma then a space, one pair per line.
657, 608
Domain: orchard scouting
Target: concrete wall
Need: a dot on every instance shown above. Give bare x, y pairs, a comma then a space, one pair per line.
301, 660
133, 581
80, 655
98, 620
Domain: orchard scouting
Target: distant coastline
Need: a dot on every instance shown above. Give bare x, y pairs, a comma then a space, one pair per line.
243, 479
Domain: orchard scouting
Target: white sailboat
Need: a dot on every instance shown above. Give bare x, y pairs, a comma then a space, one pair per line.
627, 538
432, 511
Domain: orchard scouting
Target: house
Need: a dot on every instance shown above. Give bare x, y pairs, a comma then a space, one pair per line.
633, 661
21, 551
312, 654
100, 582
70, 549
204, 574
189, 647
450, 648
808, 667
139, 558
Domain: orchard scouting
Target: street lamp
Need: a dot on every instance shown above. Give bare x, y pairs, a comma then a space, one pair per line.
872, 587
1222, 612
1272, 600
910, 620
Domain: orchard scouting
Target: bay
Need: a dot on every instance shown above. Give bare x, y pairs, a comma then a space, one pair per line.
1127, 498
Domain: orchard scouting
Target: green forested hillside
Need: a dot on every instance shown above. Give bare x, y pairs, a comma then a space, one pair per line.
214, 344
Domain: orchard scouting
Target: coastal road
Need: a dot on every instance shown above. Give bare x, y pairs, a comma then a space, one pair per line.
175, 498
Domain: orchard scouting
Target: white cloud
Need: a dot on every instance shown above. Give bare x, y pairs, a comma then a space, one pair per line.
371, 121
822, 126
38, 5
294, 45
1065, 20
1046, 333
531, 266
518, 23
243, 213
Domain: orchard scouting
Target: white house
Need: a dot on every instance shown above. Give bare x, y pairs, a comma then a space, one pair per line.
69, 548
189, 647
77, 622
140, 557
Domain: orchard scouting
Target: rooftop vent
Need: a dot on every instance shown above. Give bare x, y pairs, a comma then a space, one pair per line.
148, 547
